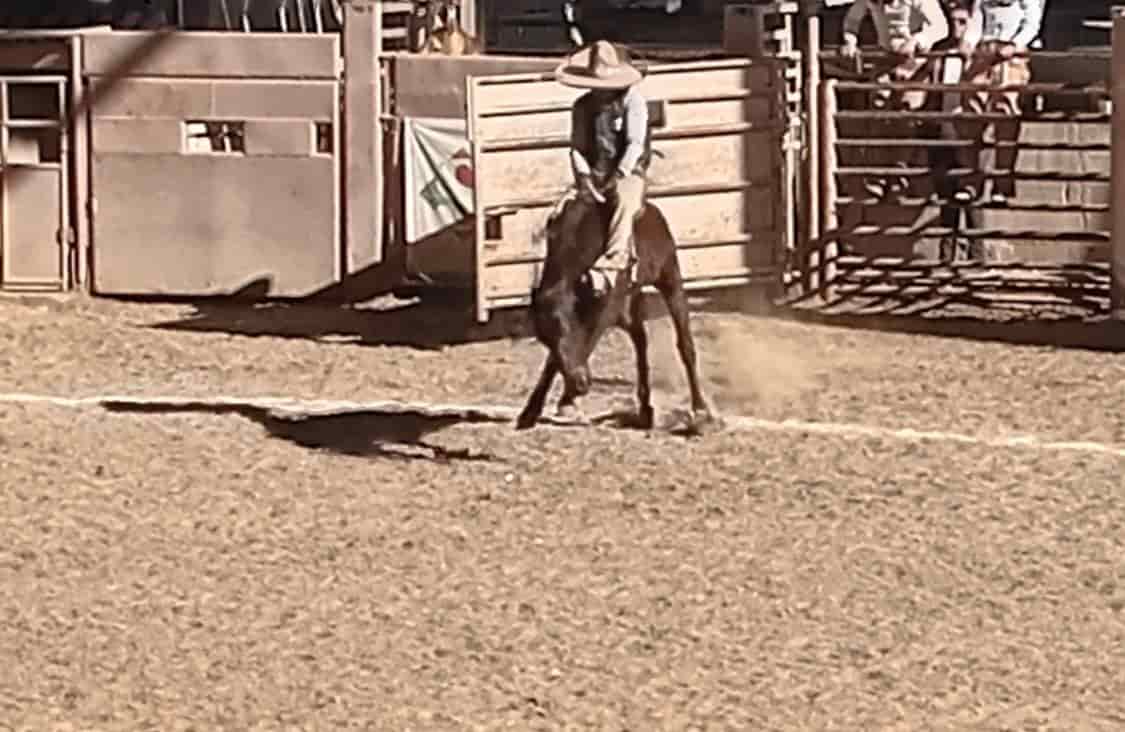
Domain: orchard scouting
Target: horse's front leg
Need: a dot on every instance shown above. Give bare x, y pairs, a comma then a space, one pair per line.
533, 410
639, 336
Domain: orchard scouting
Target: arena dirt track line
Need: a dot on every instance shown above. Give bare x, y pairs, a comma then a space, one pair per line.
297, 408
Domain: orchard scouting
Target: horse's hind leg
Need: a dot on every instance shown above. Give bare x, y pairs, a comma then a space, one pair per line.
639, 336
676, 300
534, 408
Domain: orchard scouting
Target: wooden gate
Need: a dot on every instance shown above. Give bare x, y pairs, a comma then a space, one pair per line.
717, 174
34, 211
215, 163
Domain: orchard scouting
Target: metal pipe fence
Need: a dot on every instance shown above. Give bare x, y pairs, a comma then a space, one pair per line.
952, 190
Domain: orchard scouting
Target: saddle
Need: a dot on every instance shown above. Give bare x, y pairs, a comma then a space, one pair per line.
570, 195
641, 270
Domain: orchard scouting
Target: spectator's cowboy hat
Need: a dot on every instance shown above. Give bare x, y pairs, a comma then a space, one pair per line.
601, 65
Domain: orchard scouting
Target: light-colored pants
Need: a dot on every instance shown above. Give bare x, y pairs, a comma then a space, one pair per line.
910, 69
1014, 72
621, 250
627, 202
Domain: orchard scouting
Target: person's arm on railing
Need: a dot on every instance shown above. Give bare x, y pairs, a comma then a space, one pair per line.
934, 25
1030, 23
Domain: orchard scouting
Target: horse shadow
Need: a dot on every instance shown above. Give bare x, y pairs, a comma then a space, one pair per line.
369, 433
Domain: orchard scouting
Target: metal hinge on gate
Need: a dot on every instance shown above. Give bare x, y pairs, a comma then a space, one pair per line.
71, 236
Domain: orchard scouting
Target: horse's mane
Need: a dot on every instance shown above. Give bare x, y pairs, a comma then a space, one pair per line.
553, 217
558, 259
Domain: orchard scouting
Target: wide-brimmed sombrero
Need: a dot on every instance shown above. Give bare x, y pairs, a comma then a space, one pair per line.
601, 65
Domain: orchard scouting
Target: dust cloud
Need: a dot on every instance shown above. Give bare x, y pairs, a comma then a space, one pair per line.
740, 365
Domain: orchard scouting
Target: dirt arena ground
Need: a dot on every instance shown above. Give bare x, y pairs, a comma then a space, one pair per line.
215, 568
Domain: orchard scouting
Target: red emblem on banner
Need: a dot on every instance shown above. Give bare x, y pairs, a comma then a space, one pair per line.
463, 167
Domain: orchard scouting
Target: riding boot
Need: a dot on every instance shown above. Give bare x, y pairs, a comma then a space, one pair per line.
603, 279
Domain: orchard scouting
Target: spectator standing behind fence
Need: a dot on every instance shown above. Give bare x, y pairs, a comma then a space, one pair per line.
1002, 31
949, 68
905, 28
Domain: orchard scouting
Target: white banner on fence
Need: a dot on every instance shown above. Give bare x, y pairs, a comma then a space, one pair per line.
438, 174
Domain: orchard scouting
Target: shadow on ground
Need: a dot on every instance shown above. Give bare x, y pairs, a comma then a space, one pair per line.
397, 435
438, 320
1062, 306
442, 319
675, 422
1039, 305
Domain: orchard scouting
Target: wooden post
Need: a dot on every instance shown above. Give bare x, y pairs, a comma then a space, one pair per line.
363, 136
472, 19
811, 58
1117, 177
827, 245
77, 116
744, 32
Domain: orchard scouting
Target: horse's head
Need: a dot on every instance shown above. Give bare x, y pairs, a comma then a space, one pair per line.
562, 303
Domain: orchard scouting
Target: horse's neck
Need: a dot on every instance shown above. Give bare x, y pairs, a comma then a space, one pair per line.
567, 259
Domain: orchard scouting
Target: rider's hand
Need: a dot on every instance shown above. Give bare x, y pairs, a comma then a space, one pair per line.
965, 50
1005, 52
589, 191
850, 48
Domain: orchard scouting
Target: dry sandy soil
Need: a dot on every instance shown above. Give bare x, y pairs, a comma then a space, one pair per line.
202, 568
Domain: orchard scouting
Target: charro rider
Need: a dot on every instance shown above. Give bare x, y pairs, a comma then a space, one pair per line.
610, 150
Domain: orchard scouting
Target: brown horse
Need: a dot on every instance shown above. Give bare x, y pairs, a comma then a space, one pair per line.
568, 318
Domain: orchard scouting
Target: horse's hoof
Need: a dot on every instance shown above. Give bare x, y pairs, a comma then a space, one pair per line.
702, 420
570, 413
645, 418
526, 421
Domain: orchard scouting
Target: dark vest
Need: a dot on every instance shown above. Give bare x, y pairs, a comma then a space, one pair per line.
605, 144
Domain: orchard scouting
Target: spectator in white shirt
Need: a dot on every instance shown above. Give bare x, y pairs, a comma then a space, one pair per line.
956, 198
905, 28
1013, 21
902, 26
1002, 30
